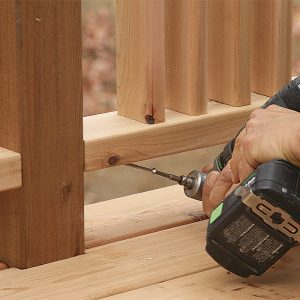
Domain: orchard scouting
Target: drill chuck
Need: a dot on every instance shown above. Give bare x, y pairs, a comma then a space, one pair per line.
193, 184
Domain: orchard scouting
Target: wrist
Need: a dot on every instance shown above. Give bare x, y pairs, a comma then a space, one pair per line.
296, 144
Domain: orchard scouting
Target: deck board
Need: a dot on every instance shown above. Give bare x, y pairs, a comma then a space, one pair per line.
139, 214
166, 264
170, 264
281, 282
114, 268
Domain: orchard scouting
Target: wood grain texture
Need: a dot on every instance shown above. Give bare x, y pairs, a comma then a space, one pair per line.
141, 59
271, 45
170, 264
10, 170
41, 119
10, 113
186, 57
229, 51
139, 214
114, 268
109, 135
280, 282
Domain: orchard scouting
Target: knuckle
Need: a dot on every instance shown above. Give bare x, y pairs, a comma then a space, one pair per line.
226, 176
232, 163
241, 167
206, 209
247, 141
249, 124
211, 178
255, 113
238, 140
272, 107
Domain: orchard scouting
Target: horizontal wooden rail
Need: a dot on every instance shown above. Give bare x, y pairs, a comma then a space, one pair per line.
10, 170
111, 140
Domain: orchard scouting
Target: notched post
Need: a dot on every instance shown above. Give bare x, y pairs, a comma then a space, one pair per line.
41, 93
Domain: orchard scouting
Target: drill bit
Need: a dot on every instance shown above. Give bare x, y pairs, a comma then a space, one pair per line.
154, 171
192, 183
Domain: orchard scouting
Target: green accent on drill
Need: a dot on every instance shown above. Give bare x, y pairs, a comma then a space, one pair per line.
248, 179
220, 166
216, 213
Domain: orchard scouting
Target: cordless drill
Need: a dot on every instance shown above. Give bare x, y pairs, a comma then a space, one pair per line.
260, 220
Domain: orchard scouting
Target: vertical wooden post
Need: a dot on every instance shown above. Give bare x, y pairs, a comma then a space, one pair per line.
271, 45
41, 117
186, 56
229, 51
140, 60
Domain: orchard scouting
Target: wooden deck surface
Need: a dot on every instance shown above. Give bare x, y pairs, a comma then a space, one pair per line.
138, 258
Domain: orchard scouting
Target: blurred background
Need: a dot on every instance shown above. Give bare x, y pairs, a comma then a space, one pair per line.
99, 96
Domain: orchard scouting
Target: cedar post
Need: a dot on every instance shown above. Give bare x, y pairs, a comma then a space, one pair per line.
41, 118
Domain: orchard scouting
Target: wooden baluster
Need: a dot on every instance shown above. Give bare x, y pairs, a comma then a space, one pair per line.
186, 56
229, 51
140, 60
271, 45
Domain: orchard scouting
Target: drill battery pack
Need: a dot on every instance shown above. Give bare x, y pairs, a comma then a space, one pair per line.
259, 222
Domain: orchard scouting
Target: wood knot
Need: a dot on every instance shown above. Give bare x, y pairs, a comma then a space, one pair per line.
66, 190
113, 159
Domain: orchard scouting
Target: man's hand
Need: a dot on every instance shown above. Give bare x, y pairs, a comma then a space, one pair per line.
271, 133
215, 189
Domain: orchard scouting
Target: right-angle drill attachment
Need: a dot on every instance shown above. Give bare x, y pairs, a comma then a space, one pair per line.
192, 183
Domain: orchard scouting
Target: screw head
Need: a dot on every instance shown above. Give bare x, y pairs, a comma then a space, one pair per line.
149, 119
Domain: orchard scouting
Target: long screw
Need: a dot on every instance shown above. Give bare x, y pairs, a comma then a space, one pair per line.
154, 171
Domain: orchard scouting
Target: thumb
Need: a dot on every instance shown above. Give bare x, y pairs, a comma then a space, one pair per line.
207, 189
221, 187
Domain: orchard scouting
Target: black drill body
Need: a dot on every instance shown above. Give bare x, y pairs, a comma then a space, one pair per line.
260, 221
240, 239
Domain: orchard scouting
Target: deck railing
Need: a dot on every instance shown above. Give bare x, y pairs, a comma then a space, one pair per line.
173, 58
